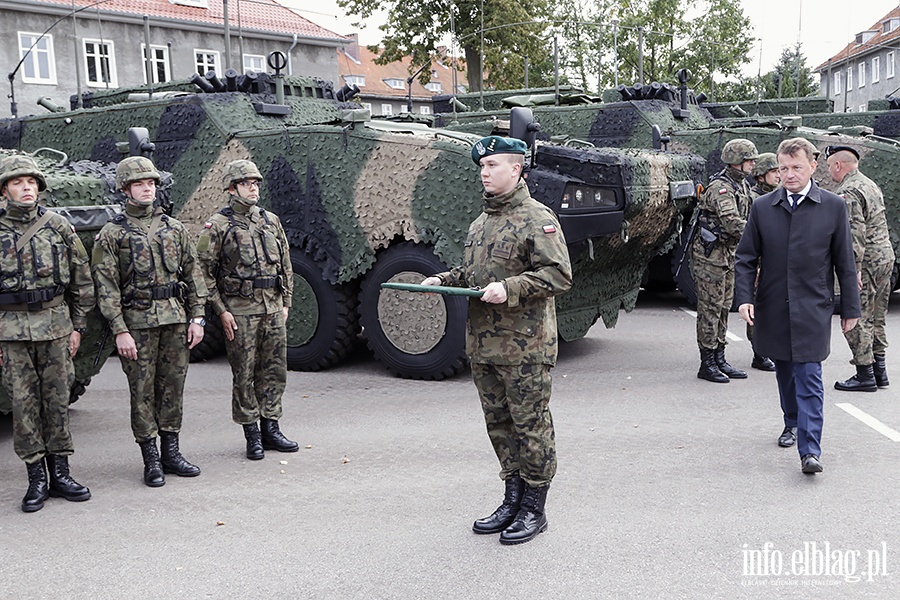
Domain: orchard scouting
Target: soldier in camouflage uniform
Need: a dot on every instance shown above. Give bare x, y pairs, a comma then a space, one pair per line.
149, 284
46, 294
724, 207
246, 261
874, 257
516, 253
765, 173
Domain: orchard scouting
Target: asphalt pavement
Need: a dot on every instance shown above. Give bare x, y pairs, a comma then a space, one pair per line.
668, 487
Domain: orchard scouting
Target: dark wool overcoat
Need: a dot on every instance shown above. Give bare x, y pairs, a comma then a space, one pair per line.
798, 255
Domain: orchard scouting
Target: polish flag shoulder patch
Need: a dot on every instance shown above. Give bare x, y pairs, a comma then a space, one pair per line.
207, 225
723, 191
549, 228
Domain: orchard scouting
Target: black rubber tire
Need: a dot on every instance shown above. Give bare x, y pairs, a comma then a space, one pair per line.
337, 328
447, 358
213, 343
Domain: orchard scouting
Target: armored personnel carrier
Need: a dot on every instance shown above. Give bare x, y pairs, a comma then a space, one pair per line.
365, 202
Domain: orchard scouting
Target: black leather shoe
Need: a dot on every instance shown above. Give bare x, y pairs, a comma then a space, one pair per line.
506, 513
172, 460
709, 370
273, 439
37, 492
863, 381
153, 473
254, 441
530, 520
729, 371
880, 371
788, 437
61, 483
810, 464
762, 363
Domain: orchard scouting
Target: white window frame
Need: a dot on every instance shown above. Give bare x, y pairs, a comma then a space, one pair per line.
889, 65
837, 83
862, 108
395, 84
434, 87
33, 58
424, 109
359, 80
876, 69
256, 58
387, 110
155, 61
404, 109
849, 79
367, 106
110, 62
861, 69
207, 53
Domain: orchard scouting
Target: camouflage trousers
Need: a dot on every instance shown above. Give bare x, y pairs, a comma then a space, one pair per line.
258, 358
38, 377
156, 380
515, 400
868, 337
715, 293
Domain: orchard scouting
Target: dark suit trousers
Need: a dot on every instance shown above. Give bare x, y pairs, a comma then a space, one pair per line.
802, 400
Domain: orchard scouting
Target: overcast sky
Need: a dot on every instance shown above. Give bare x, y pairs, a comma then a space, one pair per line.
823, 27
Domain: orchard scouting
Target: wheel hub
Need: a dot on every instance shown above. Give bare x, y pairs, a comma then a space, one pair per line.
413, 322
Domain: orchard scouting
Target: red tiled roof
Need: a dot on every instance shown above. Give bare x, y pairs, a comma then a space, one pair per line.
853, 49
266, 15
376, 74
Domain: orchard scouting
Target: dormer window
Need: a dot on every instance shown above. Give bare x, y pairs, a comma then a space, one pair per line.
865, 36
194, 3
359, 80
397, 84
890, 25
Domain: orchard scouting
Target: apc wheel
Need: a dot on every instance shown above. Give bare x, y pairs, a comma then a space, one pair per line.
416, 336
322, 325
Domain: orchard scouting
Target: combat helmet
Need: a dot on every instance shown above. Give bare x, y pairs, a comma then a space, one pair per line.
19, 165
764, 163
239, 170
736, 151
134, 168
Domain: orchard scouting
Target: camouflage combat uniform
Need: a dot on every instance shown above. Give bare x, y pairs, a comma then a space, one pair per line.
52, 268
512, 346
874, 256
724, 205
246, 261
149, 285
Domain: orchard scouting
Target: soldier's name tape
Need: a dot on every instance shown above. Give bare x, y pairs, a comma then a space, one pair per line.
434, 289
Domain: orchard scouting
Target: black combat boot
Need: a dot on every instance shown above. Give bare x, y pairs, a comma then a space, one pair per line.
37, 487
881, 378
727, 369
530, 520
153, 471
254, 441
709, 370
61, 483
863, 381
762, 363
506, 512
273, 439
172, 460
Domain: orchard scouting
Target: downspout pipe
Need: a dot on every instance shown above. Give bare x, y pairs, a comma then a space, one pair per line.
290, 56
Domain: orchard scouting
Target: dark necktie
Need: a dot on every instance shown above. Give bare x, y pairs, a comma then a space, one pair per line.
795, 200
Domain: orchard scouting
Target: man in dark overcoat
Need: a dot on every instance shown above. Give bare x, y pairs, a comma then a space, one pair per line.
799, 238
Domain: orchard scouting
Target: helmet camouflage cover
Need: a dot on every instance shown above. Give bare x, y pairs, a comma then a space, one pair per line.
239, 170
135, 168
765, 163
19, 165
738, 150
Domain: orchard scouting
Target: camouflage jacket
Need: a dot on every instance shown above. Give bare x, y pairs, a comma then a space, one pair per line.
724, 205
758, 190
146, 279
518, 241
246, 261
54, 260
868, 220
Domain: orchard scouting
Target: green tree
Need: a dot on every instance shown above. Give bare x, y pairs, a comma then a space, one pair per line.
513, 29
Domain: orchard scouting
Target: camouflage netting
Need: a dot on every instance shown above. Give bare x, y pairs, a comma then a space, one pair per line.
493, 99
771, 107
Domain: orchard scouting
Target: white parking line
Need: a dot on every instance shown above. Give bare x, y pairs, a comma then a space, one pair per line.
869, 420
728, 334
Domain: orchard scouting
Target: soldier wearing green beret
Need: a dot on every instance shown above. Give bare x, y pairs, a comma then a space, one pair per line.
47, 295
246, 261
516, 254
149, 286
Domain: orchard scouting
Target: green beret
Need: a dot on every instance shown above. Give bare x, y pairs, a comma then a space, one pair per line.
494, 144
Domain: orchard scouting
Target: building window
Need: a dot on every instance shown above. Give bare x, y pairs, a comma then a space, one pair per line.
99, 63
876, 69
849, 79
359, 80
434, 87
397, 84
367, 106
159, 64
206, 60
39, 65
862, 74
387, 109
862, 108
837, 83
254, 62
889, 64
424, 110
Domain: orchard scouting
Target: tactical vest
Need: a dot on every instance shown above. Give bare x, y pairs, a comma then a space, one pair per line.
250, 256
35, 276
149, 267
